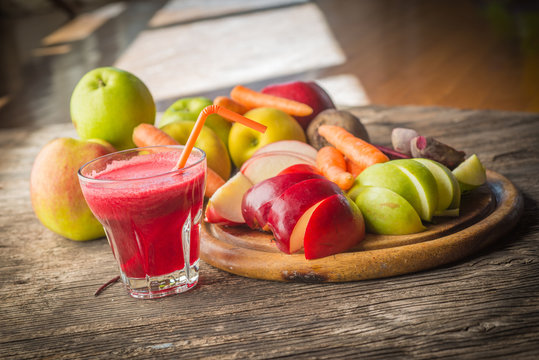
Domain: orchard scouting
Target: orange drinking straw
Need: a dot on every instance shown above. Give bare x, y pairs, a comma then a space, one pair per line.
208, 110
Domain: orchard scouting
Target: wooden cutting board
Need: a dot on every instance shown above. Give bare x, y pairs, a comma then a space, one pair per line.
486, 214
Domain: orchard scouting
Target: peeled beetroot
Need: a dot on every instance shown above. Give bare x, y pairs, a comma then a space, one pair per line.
430, 148
400, 139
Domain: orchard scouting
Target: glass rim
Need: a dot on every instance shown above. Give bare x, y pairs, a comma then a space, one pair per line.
179, 147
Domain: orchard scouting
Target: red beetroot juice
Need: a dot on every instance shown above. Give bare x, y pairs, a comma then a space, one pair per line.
143, 207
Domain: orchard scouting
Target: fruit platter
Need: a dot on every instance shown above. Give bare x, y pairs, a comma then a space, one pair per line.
295, 189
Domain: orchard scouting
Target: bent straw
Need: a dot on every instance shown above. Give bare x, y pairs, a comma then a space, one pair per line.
208, 110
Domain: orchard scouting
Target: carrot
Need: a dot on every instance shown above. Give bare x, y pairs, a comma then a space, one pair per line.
213, 182
353, 168
149, 135
253, 99
332, 164
230, 104
358, 151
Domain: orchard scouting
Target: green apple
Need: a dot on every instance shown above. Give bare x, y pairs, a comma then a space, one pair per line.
410, 179
447, 183
55, 190
470, 173
244, 141
216, 152
386, 212
189, 109
108, 103
425, 184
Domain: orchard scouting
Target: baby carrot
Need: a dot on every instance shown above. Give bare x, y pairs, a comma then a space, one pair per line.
230, 104
332, 164
253, 99
357, 150
149, 135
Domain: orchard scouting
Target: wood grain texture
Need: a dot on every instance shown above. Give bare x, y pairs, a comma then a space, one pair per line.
483, 307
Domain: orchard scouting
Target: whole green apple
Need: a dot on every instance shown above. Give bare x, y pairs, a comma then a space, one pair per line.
108, 103
55, 191
216, 152
189, 109
244, 141
386, 212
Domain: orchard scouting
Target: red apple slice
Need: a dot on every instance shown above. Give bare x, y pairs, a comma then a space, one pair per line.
286, 210
294, 146
299, 168
261, 167
224, 207
257, 200
333, 226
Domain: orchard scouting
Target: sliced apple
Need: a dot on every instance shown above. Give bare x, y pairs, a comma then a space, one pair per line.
470, 173
264, 166
332, 226
286, 210
294, 146
447, 183
297, 168
386, 212
412, 181
425, 184
257, 200
224, 207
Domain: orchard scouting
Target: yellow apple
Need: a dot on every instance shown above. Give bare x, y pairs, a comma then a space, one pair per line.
216, 153
108, 103
243, 142
55, 191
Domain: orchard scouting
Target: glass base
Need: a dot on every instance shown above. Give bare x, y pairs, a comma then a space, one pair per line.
153, 287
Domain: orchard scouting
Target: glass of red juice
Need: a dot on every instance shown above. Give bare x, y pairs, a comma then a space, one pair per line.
151, 215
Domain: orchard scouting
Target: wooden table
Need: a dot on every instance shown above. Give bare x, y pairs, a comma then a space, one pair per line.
485, 306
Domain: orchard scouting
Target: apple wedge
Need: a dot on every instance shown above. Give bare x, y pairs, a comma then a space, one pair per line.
224, 207
425, 184
300, 168
286, 209
257, 200
470, 173
448, 186
261, 167
294, 146
386, 212
408, 178
333, 225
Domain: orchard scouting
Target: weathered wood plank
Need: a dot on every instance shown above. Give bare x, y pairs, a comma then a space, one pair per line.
485, 306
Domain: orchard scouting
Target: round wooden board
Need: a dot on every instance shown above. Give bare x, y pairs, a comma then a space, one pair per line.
486, 214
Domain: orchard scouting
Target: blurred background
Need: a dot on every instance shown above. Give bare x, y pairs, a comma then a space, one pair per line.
466, 54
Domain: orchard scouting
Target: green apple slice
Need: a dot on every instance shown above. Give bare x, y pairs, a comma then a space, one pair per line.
470, 173
447, 183
386, 212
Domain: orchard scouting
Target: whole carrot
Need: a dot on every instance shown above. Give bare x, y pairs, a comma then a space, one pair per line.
230, 104
253, 99
358, 151
332, 164
149, 135
353, 168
